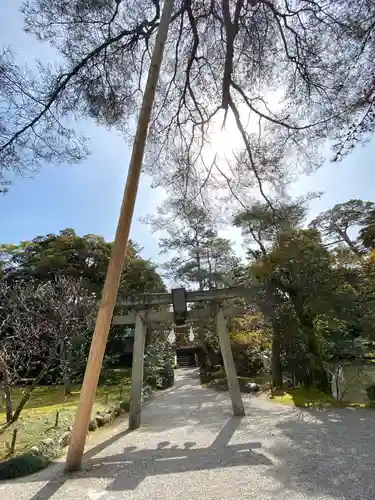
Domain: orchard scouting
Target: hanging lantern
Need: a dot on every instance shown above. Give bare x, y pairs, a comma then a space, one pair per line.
179, 306
171, 337
191, 334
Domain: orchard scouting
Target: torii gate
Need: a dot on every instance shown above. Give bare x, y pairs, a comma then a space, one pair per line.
179, 299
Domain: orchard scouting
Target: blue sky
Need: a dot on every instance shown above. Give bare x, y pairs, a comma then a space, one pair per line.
87, 196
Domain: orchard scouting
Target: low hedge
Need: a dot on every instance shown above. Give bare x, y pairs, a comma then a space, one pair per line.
41, 455
30, 462
22, 465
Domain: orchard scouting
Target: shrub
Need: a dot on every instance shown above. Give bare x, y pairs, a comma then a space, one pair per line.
248, 348
22, 465
218, 374
31, 461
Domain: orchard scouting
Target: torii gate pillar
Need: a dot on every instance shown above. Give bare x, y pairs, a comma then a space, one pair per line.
230, 367
137, 373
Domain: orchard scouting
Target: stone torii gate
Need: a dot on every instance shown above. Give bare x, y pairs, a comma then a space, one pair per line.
142, 316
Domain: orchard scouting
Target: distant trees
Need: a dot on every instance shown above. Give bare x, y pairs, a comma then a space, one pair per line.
44, 335
49, 292
367, 231
314, 296
201, 258
337, 224
85, 257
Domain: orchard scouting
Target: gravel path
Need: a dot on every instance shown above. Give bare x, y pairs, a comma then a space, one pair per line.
190, 447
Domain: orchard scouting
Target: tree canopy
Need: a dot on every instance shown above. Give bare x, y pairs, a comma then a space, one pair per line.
67, 254
339, 222
301, 71
200, 257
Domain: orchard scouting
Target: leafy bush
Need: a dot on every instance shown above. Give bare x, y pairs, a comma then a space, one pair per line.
31, 461
248, 349
218, 374
22, 465
157, 355
248, 359
160, 379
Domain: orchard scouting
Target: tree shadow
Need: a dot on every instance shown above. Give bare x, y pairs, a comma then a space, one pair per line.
305, 453
327, 452
132, 466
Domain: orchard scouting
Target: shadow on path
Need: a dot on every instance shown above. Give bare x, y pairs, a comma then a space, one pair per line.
185, 406
292, 454
327, 452
130, 468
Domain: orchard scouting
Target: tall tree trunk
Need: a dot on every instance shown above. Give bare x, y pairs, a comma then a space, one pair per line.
318, 375
350, 243
268, 308
67, 382
7, 389
276, 366
66, 355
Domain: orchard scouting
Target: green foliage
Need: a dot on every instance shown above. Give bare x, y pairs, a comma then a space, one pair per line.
312, 398
37, 421
313, 298
116, 377
305, 398
157, 355
67, 254
249, 349
367, 232
49, 292
260, 224
203, 260
22, 465
84, 257
336, 223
